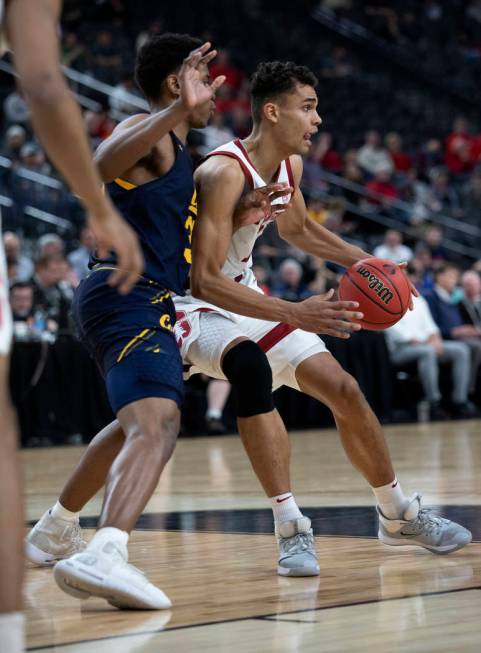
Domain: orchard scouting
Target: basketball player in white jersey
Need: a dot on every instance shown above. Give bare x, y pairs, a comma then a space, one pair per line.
228, 329
30, 28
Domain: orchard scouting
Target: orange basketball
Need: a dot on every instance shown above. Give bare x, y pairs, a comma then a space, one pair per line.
382, 290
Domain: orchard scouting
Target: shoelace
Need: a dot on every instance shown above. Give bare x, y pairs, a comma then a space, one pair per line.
73, 532
300, 541
426, 521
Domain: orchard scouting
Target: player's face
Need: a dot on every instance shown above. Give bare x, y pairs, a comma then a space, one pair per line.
298, 119
201, 115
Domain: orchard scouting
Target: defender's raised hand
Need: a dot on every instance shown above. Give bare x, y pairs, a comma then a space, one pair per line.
194, 90
258, 204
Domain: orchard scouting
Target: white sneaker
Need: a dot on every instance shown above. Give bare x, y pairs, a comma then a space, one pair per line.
53, 539
102, 570
297, 551
420, 527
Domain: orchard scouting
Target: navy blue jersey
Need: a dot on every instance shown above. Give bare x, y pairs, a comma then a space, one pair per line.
162, 212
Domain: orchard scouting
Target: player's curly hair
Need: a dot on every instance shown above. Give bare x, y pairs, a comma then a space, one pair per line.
273, 78
159, 57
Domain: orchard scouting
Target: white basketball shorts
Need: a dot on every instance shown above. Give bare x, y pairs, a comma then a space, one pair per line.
203, 335
5, 314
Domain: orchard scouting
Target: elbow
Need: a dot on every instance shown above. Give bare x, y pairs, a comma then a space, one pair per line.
106, 175
201, 284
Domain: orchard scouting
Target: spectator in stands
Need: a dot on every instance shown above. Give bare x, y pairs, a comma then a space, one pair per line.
51, 297
401, 161
79, 258
289, 284
13, 252
15, 108
459, 143
470, 305
393, 249
443, 197
222, 65
449, 318
423, 263
21, 301
73, 52
382, 186
121, 99
33, 158
216, 133
49, 245
416, 338
433, 242
217, 393
372, 156
471, 201
337, 65
99, 126
15, 138
431, 154
329, 158
106, 57
261, 274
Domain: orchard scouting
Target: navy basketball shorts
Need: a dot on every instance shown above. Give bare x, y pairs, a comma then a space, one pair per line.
131, 338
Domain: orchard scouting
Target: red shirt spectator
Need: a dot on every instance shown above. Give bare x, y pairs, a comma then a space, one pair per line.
459, 148
329, 158
382, 185
222, 66
402, 161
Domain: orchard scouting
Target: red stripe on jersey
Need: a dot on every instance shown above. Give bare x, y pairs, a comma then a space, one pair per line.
245, 169
290, 176
275, 335
244, 152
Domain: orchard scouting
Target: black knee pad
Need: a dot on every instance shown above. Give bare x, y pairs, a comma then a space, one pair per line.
248, 370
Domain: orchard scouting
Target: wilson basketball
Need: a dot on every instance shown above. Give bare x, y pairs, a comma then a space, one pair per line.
382, 290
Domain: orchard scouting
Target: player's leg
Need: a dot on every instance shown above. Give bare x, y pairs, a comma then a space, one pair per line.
457, 353
218, 392
57, 534
151, 426
428, 368
11, 524
401, 519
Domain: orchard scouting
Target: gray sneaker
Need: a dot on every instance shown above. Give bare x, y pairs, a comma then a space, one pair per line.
297, 553
53, 539
421, 528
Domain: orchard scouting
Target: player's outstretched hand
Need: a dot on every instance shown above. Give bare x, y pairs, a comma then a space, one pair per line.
321, 315
414, 290
258, 204
113, 234
193, 89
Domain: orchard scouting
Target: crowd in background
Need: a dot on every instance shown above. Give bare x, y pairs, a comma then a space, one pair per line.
422, 189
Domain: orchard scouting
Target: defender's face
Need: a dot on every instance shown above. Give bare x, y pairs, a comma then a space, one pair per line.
200, 116
298, 119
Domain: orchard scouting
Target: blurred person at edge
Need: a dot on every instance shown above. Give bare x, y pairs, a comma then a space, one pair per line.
13, 253
372, 156
470, 305
15, 138
21, 302
392, 248
79, 258
459, 146
49, 245
51, 295
447, 315
289, 285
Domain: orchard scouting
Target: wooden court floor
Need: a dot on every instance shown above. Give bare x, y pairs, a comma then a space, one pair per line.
206, 539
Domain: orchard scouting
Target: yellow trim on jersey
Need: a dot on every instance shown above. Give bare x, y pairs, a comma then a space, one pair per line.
160, 297
131, 343
124, 184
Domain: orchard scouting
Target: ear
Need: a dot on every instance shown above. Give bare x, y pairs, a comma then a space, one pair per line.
173, 86
271, 112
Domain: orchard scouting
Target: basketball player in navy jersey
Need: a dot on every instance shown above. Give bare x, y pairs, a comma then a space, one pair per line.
148, 174
31, 31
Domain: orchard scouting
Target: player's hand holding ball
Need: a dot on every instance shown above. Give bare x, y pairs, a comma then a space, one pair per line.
320, 314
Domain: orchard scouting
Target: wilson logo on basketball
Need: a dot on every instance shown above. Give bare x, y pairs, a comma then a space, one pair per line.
384, 294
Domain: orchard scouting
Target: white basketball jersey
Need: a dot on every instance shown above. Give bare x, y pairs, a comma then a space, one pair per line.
238, 264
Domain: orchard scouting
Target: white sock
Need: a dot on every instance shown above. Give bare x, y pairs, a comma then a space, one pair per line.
284, 508
12, 632
110, 534
391, 499
59, 512
214, 413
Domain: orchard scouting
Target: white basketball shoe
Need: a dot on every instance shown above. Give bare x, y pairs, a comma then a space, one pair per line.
420, 527
53, 539
103, 570
297, 552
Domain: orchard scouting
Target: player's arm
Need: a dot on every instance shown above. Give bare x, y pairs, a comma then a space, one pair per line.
136, 136
295, 226
220, 185
32, 33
